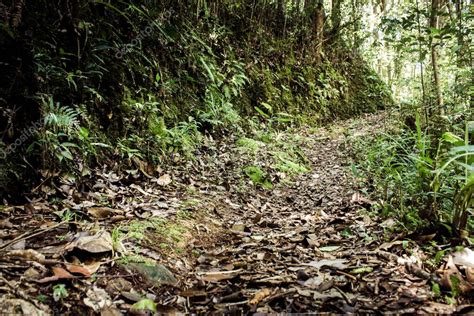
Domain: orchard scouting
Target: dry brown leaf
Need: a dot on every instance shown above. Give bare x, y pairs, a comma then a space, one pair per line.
220, 275
97, 299
5, 223
100, 242
20, 307
164, 180
111, 311
333, 263
84, 269
360, 199
259, 296
438, 309
28, 254
450, 272
58, 274
470, 275
101, 212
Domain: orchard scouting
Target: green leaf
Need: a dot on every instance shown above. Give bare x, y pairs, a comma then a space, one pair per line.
67, 154
436, 290
66, 144
434, 31
145, 304
362, 270
100, 145
452, 138
267, 106
209, 72
261, 112
467, 149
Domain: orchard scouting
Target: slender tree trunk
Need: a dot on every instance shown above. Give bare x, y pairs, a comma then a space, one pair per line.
356, 25
464, 56
319, 28
336, 14
422, 75
434, 57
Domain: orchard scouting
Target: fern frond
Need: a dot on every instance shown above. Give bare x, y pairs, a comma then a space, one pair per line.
61, 118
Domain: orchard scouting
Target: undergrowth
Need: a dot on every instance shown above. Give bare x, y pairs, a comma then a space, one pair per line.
424, 175
143, 83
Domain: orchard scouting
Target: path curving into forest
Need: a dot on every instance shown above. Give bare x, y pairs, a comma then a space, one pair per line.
310, 247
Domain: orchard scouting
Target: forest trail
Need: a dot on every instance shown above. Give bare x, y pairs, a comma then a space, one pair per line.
312, 245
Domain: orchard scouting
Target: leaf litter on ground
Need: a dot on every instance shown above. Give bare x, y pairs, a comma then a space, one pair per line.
132, 242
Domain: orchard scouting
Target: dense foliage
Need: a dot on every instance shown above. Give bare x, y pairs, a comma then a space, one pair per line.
424, 167
144, 79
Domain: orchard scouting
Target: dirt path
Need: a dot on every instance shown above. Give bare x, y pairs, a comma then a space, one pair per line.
216, 243
309, 247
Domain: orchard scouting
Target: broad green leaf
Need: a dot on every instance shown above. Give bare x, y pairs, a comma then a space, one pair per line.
145, 304
452, 138
362, 270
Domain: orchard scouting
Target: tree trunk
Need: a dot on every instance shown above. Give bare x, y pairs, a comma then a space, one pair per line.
356, 25
319, 28
434, 57
336, 14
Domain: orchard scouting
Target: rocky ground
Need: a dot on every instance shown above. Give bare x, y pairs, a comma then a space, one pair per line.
200, 237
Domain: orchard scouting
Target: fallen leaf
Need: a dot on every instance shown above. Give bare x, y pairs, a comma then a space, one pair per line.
156, 274
118, 285
32, 273
5, 223
453, 279
28, 254
257, 237
84, 269
359, 199
111, 311
97, 299
240, 228
164, 180
220, 275
20, 307
145, 304
470, 275
100, 242
192, 293
329, 248
19, 245
362, 270
315, 282
102, 212
132, 295
259, 296
333, 263
438, 309
58, 274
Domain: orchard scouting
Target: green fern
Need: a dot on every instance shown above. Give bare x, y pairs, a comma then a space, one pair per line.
60, 118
